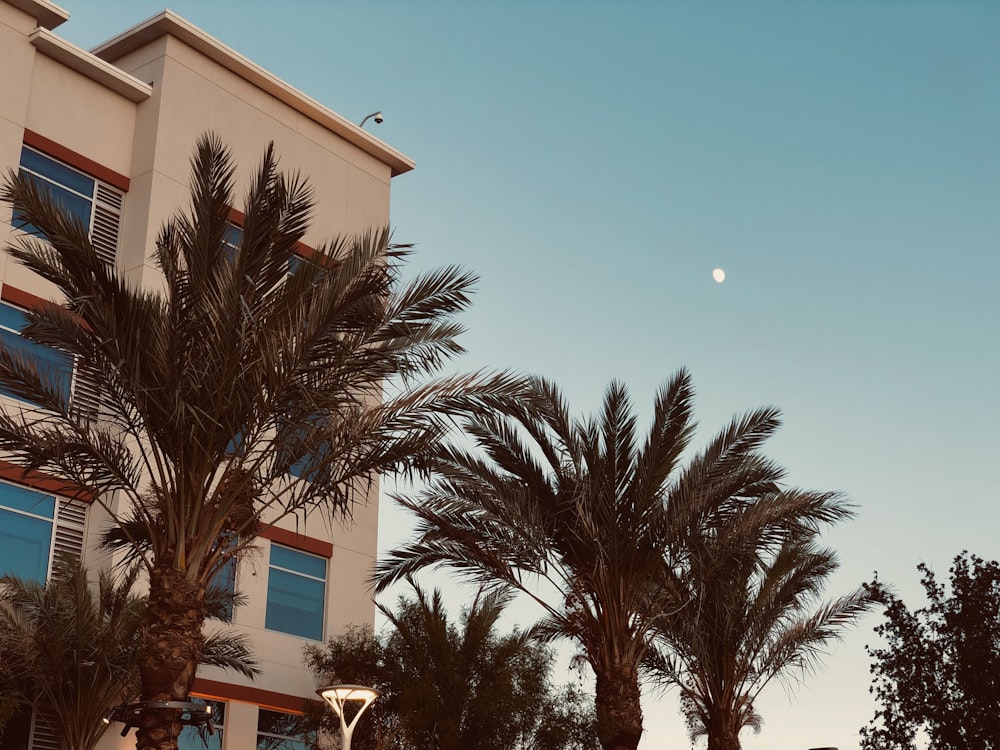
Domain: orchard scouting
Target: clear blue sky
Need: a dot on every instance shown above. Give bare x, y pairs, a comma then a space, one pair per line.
594, 161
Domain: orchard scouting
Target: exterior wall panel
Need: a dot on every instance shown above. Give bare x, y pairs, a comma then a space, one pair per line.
198, 85
102, 122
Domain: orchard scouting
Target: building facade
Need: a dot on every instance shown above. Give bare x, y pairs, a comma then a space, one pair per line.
112, 131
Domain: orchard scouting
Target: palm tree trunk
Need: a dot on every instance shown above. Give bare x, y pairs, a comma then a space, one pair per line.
171, 649
723, 734
619, 712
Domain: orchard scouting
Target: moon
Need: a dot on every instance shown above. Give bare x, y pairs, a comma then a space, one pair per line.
719, 275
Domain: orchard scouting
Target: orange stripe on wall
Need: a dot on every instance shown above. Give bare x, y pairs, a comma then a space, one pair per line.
298, 541
24, 299
75, 159
264, 698
38, 480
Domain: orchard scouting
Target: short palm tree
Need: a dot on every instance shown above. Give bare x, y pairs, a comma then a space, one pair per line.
750, 620
247, 363
469, 686
447, 685
596, 527
70, 651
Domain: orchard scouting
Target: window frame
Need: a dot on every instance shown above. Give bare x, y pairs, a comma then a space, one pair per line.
269, 624
106, 199
287, 741
26, 351
6, 507
49, 179
199, 733
224, 579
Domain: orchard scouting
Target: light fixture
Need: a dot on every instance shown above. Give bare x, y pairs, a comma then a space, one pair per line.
195, 714
338, 696
377, 116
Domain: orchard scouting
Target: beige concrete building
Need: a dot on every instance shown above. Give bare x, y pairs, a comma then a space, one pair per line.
112, 130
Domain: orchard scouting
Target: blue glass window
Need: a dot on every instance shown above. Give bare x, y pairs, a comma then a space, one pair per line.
26, 519
300, 468
54, 366
72, 190
232, 238
296, 593
281, 731
198, 738
225, 580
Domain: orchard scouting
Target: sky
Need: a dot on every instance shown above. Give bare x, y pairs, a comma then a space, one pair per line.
593, 162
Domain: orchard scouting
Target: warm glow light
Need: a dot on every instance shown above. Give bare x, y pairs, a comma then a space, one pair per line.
719, 275
349, 693
337, 696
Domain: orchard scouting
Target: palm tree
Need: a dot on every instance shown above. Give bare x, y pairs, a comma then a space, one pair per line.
71, 653
751, 619
474, 688
596, 528
244, 365
447, 686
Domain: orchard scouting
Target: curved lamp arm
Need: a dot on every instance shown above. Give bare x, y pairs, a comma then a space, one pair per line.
337, 696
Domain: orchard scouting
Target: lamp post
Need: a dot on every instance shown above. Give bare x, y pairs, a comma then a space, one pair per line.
338, 696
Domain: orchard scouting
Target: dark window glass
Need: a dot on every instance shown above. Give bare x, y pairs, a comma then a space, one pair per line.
26, 519
296, 593
225, 580
281, 731
71, 190
39, 164
198, 738
54, 366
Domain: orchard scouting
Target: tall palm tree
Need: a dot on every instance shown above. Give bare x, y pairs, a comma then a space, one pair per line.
751, 620
244, 365
71, 652
597, 528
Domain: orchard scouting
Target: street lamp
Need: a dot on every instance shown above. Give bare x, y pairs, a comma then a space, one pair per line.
338, 696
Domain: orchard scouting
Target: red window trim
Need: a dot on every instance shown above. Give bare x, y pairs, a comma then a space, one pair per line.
29, 301
293, 704
38, 480
24, 299
298, 541
76, 159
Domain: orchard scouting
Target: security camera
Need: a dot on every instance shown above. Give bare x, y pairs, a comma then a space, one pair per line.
378, 118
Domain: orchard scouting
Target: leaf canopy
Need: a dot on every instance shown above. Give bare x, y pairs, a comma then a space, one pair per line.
249, 383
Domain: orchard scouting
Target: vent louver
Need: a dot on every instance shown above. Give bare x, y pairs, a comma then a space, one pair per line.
107, 223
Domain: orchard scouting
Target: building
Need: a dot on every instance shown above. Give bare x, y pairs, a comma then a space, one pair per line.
113, 129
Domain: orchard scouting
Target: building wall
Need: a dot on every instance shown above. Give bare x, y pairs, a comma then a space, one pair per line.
72, 103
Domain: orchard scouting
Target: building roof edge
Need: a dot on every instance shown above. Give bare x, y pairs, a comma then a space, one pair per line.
46, 14
89, 65
168, 22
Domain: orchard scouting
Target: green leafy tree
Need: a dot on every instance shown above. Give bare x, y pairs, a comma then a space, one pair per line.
243, 365
751, 619
448, 687
939, 670
597, 527
71, 652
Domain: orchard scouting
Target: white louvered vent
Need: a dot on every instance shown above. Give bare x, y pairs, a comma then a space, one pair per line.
107, 222
86, 393
104, 234
71, 525
43, 733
